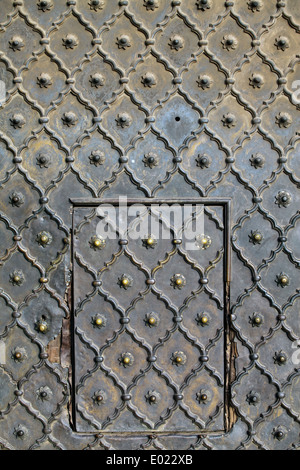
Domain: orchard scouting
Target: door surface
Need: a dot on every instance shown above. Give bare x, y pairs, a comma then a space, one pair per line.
149, 326
128, 343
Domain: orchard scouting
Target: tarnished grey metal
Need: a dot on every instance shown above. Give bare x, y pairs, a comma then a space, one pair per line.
149, 322
150, 99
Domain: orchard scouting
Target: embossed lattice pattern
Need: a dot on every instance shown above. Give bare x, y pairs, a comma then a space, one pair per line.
149, 98
147, 358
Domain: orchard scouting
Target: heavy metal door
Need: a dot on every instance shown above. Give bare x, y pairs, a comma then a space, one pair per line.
149, 325
156, 100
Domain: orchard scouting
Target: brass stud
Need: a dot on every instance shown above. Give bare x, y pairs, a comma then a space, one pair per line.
152, 397
151, 319
280, 358
99, 397
99, 321
126, 359
43, 327
97, 243
283, 280
17, 278
203, 397
178, 281
125, 281
203, 319
178, 358
203, 241
44, 239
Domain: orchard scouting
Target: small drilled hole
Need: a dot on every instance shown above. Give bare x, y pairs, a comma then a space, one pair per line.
177, 118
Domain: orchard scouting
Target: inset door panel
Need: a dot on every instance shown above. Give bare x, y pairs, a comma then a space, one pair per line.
150, 315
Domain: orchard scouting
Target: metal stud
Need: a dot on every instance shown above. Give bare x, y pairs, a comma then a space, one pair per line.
153, 397
17, 278
283, 199
97, 243
280, 358
256, 237
178, 281
256, 320
126, 359
16, 43
282, 280
99, 321
149, 241
96, 5
44, 239
203, 397
125, 281
203, 319
178, 358
176, 42
253, 398
152, 319
203, 241
99, 397
42, 326
151, 4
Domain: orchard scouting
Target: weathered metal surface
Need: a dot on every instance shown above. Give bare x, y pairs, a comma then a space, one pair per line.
164, 99
149, 326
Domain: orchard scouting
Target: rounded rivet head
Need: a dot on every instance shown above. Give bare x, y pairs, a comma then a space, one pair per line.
16, 199
282, 280
126, 359
279, 433
125, 281
99, 397
149, 241
178, 358
253, 398
280, 358
17, 278
256, 320
203, 396
204, 358
152, 397
98, 359
178, 281
203, 319
99, 321
42, 326
203, 242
